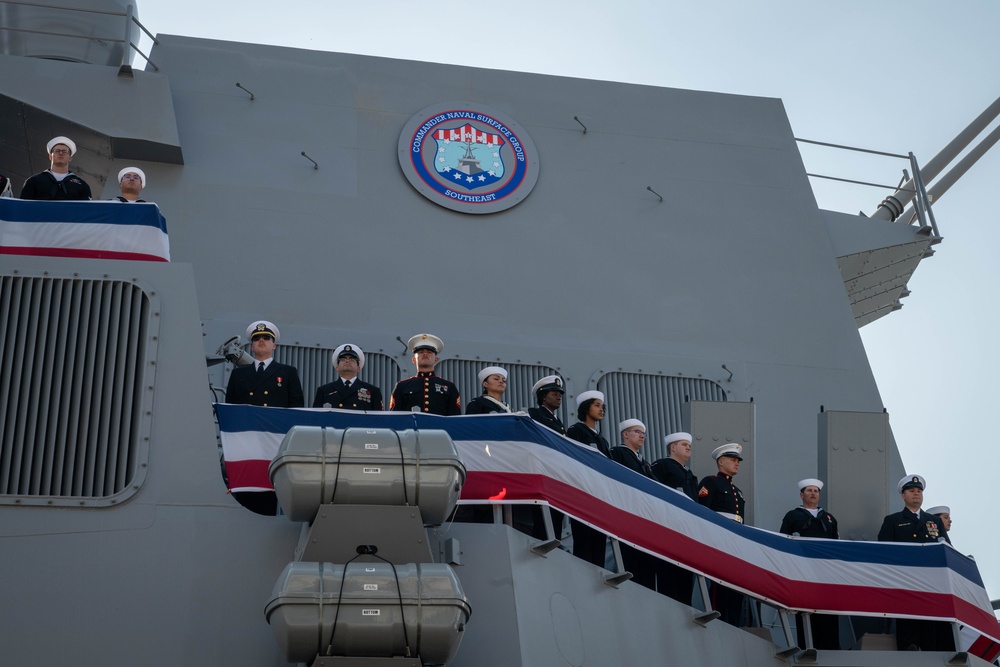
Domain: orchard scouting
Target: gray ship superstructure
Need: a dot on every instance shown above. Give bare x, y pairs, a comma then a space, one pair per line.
664, 247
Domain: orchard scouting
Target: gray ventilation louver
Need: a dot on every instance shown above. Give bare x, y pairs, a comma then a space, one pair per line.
75, 356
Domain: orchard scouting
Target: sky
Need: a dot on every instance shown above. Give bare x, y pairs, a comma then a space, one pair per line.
889, 75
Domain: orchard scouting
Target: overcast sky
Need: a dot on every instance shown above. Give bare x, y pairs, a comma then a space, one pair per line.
888, 75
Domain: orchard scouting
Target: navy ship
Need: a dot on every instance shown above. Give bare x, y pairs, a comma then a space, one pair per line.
662, 246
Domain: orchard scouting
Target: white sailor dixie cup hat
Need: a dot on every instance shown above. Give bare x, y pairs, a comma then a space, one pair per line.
66, 141
425, 342
549, 383
139, 172
939, 509
910, 482
810, 481
676, 437
589, 395
492, 370
349, 350
263, 327
629, 423
732, 449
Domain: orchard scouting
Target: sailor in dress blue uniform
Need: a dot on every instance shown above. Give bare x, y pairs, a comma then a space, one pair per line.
348, 392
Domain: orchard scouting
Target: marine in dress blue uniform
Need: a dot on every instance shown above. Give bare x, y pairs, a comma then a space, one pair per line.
348, 392
426, 391
719, 494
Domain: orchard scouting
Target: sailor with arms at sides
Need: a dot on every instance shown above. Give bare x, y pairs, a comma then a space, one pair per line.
719, 494
494, 381
590, 413
674, 470
425, 391
811, 520
265, 382
131, 181
57, 182
348, 392
642, 565
588, 543
548, 394
912, 524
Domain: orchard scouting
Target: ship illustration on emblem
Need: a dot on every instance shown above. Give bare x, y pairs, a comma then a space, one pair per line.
457, 159
468, 158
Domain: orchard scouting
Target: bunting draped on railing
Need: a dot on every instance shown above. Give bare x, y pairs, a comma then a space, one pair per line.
93, 229
512, 457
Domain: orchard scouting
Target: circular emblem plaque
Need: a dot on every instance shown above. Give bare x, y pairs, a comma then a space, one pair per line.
468, 157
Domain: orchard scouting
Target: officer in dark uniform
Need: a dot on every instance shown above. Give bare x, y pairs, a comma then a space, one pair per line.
673, 470
347, 391
914, 525
672, 580
718, 493
57, 182
588, 543
548, 394
425, 391
642, 565
811, 520
494, 381
265, 383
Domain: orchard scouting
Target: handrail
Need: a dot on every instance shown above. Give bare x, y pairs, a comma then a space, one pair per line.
894, 208
128, 15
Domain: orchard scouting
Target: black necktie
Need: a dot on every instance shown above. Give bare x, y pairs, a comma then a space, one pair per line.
347, 384
260, 368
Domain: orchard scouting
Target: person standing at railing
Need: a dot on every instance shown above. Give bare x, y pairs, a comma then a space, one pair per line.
718, 493
57, 182
548, 394
673, 471
912, 524
425, 391
131, 181
811, 520
589, 543
5, 186
494, 382
943, 512
642, 565
347, 391
265, 382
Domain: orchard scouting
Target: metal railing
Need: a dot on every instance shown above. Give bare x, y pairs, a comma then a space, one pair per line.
128, 15
922, 204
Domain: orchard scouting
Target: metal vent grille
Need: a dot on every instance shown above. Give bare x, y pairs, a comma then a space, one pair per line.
74, 358
520, 378
316, 369
656, 400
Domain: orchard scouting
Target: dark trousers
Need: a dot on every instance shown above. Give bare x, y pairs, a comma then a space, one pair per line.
728, 603
925, 635
588, 544
641, 565
825, 631
674, 582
